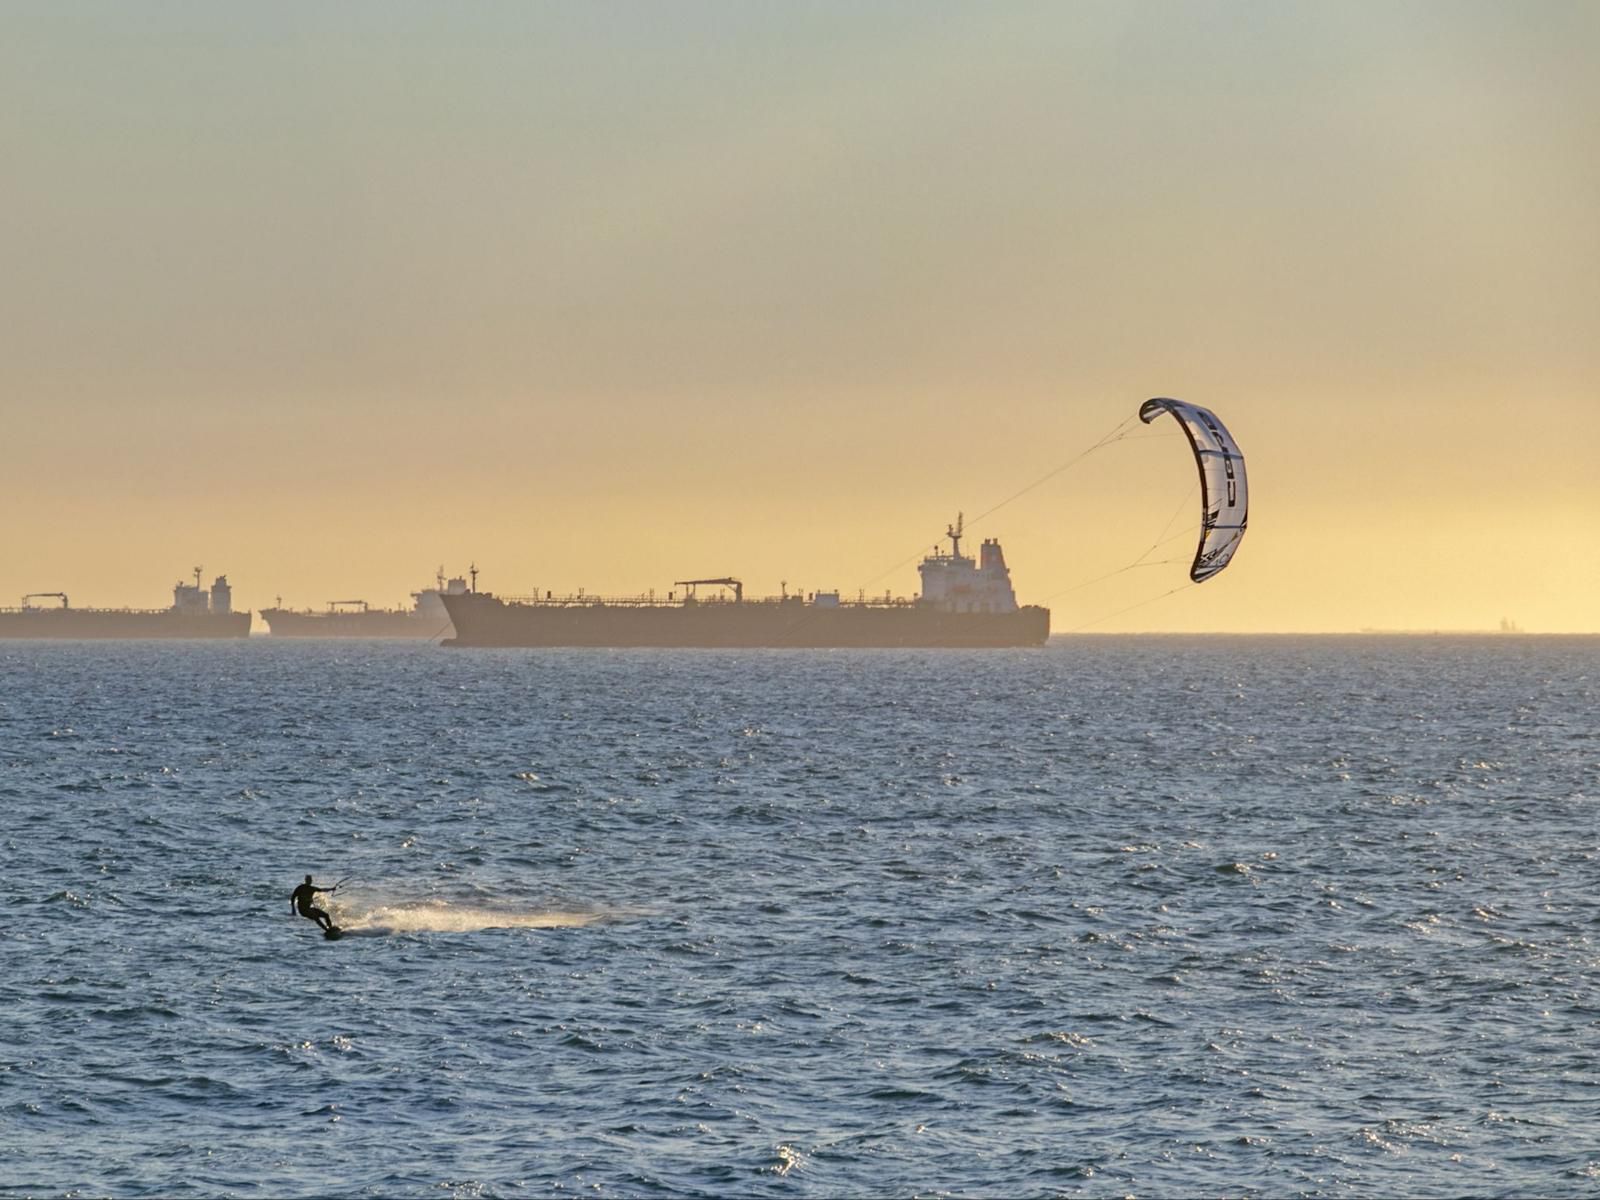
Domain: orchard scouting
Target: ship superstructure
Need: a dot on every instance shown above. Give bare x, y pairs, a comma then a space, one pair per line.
963, 603
196, 612
426, 618
954, 583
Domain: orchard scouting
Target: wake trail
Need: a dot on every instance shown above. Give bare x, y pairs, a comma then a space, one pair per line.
440, 917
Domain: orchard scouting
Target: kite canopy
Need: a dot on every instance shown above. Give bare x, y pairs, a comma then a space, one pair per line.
1224, 496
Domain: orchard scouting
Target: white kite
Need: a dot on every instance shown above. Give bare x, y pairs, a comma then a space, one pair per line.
1224, 496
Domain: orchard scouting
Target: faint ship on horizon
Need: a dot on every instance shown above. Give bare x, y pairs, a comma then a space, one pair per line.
963, 603
426, 618
196, 612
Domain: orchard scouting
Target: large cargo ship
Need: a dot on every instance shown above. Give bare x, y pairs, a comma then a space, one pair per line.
426, 618
963, 603
196, 612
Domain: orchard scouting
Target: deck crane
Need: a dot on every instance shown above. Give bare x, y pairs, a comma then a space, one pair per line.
738, 587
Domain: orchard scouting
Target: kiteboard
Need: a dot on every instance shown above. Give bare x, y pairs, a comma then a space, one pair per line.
333, 933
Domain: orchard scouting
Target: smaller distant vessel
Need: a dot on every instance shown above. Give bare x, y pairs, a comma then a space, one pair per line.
426, 618
196, 612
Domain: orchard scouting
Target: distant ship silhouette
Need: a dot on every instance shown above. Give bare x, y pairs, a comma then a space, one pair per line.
964, 603
195, 613
426, 618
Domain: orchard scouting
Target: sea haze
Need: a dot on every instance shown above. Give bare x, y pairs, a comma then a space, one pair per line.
1155, 915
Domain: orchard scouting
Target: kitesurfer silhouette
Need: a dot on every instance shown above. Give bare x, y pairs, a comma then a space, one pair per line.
300, 899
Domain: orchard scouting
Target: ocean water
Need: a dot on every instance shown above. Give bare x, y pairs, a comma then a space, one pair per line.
1157, 916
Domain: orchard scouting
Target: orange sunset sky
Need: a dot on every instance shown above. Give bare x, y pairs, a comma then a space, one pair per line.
608, 295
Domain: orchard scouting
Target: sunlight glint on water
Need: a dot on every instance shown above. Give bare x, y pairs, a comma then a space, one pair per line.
1155, 916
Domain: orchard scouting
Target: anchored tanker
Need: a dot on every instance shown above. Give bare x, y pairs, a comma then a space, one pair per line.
195, 613
426, 618
963, 603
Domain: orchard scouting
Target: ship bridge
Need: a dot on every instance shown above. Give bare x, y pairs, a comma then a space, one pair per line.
953, 582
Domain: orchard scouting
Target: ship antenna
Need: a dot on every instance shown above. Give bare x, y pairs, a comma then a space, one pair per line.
473, 571
197, 577
954, 533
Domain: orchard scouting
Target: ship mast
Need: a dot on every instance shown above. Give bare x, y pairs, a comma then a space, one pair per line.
954, 534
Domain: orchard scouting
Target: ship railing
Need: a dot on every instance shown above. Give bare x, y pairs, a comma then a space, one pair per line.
586, 600
340, 612
594, 600
56, 608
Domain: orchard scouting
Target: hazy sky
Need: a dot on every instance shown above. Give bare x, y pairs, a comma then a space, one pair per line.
605, 295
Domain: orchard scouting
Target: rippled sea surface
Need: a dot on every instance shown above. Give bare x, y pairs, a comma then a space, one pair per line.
1162, 916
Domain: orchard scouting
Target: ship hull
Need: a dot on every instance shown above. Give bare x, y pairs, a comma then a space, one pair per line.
483, 620
281, 622
108, 624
